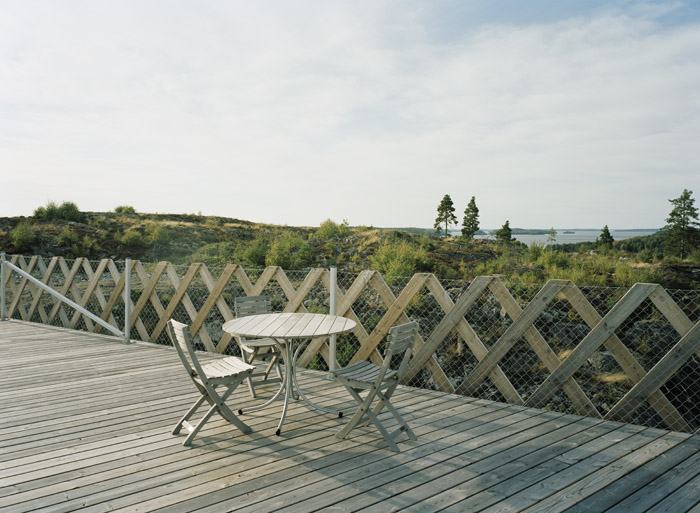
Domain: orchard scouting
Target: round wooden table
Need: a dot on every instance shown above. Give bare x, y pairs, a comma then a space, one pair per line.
286, 329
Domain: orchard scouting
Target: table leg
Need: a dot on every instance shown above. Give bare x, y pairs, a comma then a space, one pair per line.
301, 393
283, 385
289, 380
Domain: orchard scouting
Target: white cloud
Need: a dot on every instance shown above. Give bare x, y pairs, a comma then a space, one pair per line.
296, 112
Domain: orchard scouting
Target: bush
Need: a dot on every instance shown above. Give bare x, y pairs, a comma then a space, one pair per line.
70, 212
255, 254
289, 251
157, 234
23, 237
217, 254
124, 209
67, 211
47, 213
400, 258
133, 240
330, 230
67, 237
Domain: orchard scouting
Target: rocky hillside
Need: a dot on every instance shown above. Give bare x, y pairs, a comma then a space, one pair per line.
216, 241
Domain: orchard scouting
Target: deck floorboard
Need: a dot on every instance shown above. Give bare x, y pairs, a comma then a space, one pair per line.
86, 423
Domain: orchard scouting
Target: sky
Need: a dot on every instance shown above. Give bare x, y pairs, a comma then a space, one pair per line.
551, 113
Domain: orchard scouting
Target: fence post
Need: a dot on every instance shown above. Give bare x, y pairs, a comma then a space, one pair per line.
3, 283
127, 300
334, 282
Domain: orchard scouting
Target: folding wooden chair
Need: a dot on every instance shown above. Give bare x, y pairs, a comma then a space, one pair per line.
226, 372
258, 349
380, 382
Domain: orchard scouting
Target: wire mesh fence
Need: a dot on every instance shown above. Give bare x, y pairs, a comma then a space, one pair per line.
628, 362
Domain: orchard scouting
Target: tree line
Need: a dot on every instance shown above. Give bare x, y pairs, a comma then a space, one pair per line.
682, 235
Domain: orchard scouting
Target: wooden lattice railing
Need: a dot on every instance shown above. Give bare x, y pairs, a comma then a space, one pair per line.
165, 292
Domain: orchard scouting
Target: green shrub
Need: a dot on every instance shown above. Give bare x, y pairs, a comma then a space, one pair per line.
124, 209
70, 212
47, 213
217, 254
255, 254
157, 234
133, 239
400, 258
289, 251
23, 236
330, 230
67, 211
67, 237
89, 244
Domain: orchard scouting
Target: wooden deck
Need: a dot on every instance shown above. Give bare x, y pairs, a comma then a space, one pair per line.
86, 426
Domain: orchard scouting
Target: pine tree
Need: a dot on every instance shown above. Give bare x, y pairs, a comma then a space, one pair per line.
504, 233
552, 236
470, 222
683, 235
446, 214
605, 240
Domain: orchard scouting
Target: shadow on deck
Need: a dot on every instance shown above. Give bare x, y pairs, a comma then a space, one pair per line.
86, 425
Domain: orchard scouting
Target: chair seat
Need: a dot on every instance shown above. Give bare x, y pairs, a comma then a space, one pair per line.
226, 367
260, 342
363, 372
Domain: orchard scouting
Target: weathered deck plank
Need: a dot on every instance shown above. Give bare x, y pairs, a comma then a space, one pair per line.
86, 425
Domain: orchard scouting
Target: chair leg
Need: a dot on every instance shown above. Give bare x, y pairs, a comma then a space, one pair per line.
187, 415
249, 379
404, 427
380, 404
217, 406
274, 362
366, 415
364, 405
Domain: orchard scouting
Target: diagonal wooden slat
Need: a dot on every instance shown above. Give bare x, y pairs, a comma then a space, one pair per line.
117, 293
344, 304
46, 279
296, 297
597, 336
454, 313
629, 364
185, 300
69, 275
467, 333
263, 281
673, 313
147, 295
11, 288
19, 290
522, 323
98, 292
657, 376
180, 291
543, 351
395, 309
244, 281
93, 282
214, 298
344, 309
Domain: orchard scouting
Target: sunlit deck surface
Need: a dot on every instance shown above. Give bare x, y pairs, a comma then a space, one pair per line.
86, 425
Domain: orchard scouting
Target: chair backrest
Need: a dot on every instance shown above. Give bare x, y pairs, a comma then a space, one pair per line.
182, 340
252, 305
400, 341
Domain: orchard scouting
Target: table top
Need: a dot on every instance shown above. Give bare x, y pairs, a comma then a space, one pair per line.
289, 325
